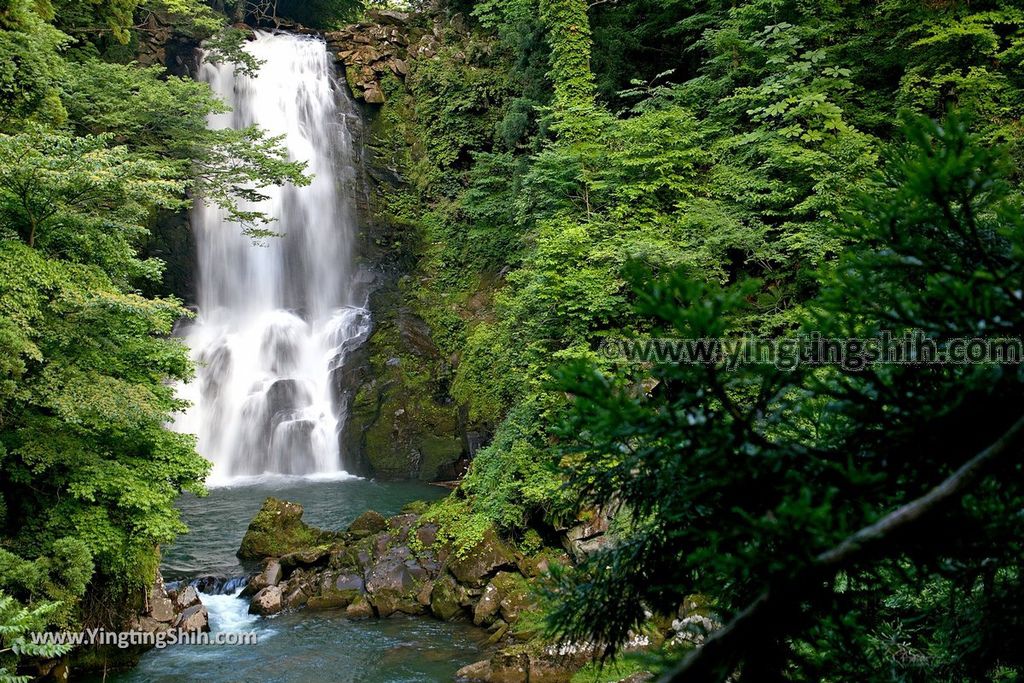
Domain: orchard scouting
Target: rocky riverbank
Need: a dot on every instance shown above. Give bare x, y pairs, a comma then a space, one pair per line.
381, 566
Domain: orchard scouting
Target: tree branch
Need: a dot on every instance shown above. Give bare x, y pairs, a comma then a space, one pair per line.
716, 659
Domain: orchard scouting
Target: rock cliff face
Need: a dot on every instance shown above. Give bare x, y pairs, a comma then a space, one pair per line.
401, 421
382, 45
161, 43
400, 418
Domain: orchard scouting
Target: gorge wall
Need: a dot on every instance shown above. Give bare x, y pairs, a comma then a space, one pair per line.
403, 422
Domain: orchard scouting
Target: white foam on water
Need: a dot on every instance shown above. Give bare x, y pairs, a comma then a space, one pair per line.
277, 319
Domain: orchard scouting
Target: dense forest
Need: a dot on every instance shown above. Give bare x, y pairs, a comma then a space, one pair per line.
573, 174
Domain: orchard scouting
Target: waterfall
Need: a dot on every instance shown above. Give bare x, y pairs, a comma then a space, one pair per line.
276, 319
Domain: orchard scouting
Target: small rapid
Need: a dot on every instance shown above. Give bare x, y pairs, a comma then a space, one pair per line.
305, 645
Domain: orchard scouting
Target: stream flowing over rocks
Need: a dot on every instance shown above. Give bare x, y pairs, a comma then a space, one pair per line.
382, 567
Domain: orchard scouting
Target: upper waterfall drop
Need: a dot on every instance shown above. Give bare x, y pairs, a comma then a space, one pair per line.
275, 320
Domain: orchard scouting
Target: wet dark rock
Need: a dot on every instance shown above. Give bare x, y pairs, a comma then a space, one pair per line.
317, 557
348, 582
387, 602
381, 543
209, 584
427, 535
423, 596
332, 600
446, 598
193, 619
344, 558
161, 609
392, 572
400, 526
273, 573
482, 561
487, 607
185, 597
498, 630
270, 576
380, 567
515, 666
477, 672
297, 598
359, 609
588, 535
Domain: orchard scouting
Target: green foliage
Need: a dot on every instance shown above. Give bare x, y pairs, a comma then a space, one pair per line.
459, 526
89, 152
16, 625
87, 453
78, 199
569, 37
735, 479
226, 46
320, 13
29, 63
512, 479
549, 144
611, 671
225, 167
99, 20
60, 575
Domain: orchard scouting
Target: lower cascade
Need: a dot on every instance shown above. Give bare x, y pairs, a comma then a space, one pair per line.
277, 318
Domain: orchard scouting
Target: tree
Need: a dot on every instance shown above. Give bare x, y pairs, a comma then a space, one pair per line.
89, 152
76, 198
751, 482
167, 128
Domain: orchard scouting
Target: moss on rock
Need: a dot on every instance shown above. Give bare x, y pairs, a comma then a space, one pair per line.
402, 422
278, 529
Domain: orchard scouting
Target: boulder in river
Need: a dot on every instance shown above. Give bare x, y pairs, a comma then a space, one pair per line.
278, 529
193, 619
446, 598
487, 606
185, 597
370, 522
359, 609
268, 601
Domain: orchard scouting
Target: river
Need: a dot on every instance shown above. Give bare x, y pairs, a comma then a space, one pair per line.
307, 645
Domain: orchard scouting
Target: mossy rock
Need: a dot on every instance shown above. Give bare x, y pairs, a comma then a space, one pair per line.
401, 422
482, 560
278, 529
516, 595
388, 602
345, 557
446, 598
333, 600
368, 523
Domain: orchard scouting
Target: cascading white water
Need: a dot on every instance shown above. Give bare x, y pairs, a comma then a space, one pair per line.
276, 320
